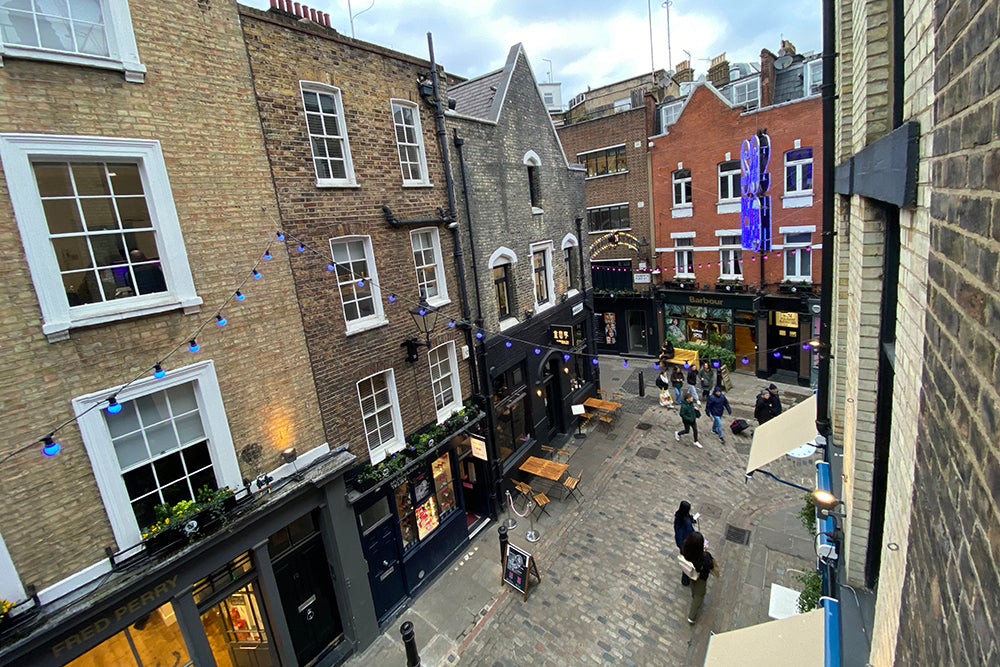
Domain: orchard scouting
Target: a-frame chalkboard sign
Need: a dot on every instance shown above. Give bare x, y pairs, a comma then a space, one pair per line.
518, 566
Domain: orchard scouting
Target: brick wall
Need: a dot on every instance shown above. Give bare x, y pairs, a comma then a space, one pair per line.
706, 131
282, 53
498, 196
954, 544
196, 102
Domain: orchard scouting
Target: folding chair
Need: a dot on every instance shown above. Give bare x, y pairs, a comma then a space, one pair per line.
585, 418
524, 489
618, 396
541, 500
548, 449
603, 395
573, 485
607, 420
563, 452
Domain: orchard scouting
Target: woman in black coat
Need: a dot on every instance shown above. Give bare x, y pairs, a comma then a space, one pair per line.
694, 551
683, 526
762, 411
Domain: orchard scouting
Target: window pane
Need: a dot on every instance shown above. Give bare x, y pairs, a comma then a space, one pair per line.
131, 449
189, 429
152, 408
169, 469
139, 482
197, 457
182, 399
73, 253
53, 179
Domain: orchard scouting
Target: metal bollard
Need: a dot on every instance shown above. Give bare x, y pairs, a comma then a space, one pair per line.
503, 543
642, 386
412, 657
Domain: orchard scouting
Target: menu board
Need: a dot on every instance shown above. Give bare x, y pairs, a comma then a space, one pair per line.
427, 517
515, 568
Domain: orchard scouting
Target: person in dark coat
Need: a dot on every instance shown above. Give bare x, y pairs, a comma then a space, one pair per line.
666, 390
677, 380
762, 411
707, 378
774, 401
694, 550
683, 526
716, 405
688, 416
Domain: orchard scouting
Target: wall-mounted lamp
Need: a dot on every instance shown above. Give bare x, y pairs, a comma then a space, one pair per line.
424, 317
289, 454
825, 502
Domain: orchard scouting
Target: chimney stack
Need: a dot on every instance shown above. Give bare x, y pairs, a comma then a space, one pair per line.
787, 48
684, 72
718, 73
767, 77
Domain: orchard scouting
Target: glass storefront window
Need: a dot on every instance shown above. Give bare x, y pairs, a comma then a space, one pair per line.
404, 510
223, 577
236, 631
443, 481
153, 640
427, 518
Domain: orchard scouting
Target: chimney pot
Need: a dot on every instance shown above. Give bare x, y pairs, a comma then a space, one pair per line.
274, 4
298, 10
326, 19
312, 15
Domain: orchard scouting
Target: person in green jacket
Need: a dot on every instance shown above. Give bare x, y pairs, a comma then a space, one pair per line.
689, 415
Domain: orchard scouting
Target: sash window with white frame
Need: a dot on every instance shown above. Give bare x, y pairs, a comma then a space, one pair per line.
357, 281
669, 113
410, 143
380, 415
604, 161
682, 187
331, 150
798, 171
501, 287
429, 264
730, 257
684, 257
798, 258
99, 227
729, 181
541, 262
746, 93
94, 33
444, 380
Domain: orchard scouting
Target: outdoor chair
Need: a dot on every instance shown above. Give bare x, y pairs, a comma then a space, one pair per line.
541, 500
572, 484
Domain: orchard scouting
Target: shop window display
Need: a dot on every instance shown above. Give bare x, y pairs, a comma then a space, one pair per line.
236, 628
154, 639
424, 500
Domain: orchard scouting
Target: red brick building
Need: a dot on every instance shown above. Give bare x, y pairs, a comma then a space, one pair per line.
760, 305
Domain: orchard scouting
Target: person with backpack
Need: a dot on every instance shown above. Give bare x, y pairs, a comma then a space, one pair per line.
693, 550
688, 416
762, 411
683, 526
716, 404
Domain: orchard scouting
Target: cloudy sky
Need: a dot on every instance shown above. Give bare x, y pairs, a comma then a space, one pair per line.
582, 42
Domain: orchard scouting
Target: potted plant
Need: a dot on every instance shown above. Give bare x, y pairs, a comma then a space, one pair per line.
368, 477
791, 286
729, 285
188, 518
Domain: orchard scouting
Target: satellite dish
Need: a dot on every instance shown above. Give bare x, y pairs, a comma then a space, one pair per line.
782, 62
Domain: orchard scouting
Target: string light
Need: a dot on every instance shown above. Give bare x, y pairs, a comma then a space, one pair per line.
451, 324
256, 274
220, 320
538, 350
240, 295
267, 254
330, 267
193, 345
114, 407
301, 248
565, 357
49, 446
745, 361
281, 235
158, 372
624, 363
507, 343
777, 354
392, 298
361, 283
595, 361
479, 335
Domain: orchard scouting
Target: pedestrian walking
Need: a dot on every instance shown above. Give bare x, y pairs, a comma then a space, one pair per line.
762, 411
683, 526
688, 416
774, 400
694, 551
714, 407
666, 390
707, 378
677, 382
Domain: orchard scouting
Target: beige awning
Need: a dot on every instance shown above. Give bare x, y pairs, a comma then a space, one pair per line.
796, 641
775, 438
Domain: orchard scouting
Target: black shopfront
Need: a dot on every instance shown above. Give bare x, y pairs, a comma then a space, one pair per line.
267, 589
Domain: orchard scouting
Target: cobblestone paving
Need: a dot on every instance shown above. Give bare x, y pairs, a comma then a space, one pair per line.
610, 590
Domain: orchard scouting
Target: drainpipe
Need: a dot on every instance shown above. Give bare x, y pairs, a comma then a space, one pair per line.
826, 297
588, 307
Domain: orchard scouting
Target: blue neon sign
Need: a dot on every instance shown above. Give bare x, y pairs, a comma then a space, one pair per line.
755, 203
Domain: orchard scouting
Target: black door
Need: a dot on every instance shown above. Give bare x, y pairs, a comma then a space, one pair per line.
308, 600
783, 339
385, 572
637, 331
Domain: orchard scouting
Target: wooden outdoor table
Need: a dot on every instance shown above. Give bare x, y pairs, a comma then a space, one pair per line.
544, 468
598, 404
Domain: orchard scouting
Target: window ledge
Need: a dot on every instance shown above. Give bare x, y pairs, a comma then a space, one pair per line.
135, 72
609, 231
57, 331
571, 293
418, 184
542, 307
507, 323
365, 326
438, 301
322, 183
684, 211
616, 173
798, 200
728, 206
536, 211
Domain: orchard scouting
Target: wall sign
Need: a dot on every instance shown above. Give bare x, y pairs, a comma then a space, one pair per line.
783, 319
639, 278
478, 447
755, 203
610, 329
562, 335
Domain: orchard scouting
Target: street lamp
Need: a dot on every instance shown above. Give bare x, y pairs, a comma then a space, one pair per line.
424, 317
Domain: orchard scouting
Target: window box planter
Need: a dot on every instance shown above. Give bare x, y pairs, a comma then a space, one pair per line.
794, 288
730, 286
679, 284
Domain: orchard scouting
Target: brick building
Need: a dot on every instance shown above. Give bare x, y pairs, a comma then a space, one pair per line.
520, 213
350, 134
916, 373
760, 305
134, 177
612, 148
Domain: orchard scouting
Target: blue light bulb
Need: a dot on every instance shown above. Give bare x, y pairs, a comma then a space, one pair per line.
420, 312
451, 323
745, 361
158, 372
656, 366
193, 345
114, 407
624, 363
687, 364
392, 298
256, 274
595, 361
777, 354
281, 235
240, 295
301, 248
508, 343
330, 267
267, 254
50, 447
565, 357
538, 351
805, 346
479, 335
220, 320
361, 283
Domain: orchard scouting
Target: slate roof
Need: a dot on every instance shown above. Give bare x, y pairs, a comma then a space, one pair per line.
475, 96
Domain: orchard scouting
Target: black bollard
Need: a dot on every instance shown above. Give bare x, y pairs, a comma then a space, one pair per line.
503, 543
412, 657
642, 386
